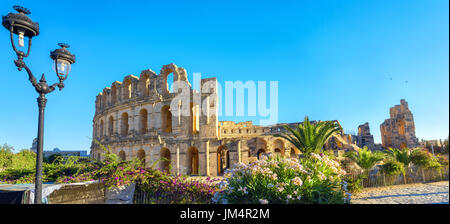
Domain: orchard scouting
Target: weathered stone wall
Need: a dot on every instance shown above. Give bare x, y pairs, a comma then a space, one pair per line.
79, 194
399, 130
364, 137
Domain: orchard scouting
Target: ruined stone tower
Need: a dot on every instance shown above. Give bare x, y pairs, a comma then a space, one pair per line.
399, 130
364, 138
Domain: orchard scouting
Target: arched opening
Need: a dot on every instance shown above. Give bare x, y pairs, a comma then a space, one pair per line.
170, 80
192, 161
279, 147
143, 121
124, 126
294, 153
95, 130
277, 152
122, 155
101, 128
223, 159
127, 89
145, 85
110, 126
113, 95
261, 146
141, 156
260, 153
165, 160
166, 118
104, 100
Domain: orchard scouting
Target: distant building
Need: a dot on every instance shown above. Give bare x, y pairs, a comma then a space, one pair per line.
34, 145
57, 151
428, 143
364, 138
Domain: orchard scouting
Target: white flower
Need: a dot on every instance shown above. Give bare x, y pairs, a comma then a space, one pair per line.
263, 201
297, 181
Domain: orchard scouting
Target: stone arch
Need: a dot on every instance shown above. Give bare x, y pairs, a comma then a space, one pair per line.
114, 94
122, 155
164, 155
223, 159
104, 99
278, 146
101, 128
261, 147
144, 84
166, 119
95, 130
165, 74
124, 124
260, 153
143, 121
127, 89
294, 152
193, 161
110, 126
141, 156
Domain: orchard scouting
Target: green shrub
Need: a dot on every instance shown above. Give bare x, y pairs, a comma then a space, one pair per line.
392, 167
354, 184
25, 159
6, 156
442, 160
425, 159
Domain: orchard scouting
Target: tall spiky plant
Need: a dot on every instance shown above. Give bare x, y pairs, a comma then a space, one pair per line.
309, 137
365, 158
404, 156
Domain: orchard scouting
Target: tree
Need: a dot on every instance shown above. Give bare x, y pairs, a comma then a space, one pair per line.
365, 158
404, 156
6, 156
309, 137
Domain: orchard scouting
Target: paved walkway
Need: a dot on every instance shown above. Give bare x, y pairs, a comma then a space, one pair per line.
429, 193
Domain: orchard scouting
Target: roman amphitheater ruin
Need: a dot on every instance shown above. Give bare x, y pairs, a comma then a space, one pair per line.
136, 119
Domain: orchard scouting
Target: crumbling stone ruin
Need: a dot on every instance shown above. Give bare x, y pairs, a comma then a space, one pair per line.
364, 138
399, 131
141, 118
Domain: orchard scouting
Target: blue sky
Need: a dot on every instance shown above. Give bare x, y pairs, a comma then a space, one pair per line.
332, 59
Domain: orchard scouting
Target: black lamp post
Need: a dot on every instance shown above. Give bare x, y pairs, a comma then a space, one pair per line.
21, 25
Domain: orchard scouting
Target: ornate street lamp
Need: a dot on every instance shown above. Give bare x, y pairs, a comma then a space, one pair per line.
20, 24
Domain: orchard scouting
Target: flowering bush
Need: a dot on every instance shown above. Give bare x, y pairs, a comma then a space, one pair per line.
179, 190
314, 179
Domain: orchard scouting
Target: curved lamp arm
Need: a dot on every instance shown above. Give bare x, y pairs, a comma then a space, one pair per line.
21, 64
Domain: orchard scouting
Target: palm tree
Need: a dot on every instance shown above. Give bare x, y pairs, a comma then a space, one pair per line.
365, 158
309, 137
404, 156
